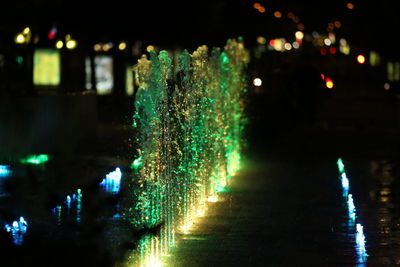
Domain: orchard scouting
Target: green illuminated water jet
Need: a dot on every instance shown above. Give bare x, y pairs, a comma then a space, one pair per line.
189, 121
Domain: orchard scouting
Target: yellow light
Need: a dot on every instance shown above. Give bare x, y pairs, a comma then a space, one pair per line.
350, 5
106, 47
361, 59
277, 14
20, 38
26, 30
257, 82
59, 44
149, 48
122, 46
329, 84
299, 35
97, 47
71, 44
261, 40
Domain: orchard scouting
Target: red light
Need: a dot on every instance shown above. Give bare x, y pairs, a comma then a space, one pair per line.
323, 51
322, 76
272, 43
332, 50
51, 35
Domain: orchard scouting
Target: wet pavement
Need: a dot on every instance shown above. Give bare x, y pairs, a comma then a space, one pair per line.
286, 206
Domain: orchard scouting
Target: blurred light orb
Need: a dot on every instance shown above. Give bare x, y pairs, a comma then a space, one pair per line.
59, 44
327, 42
20, 39
350, 5
71, 44
386, 86
257, 82
122, 46
299, 35
288, 46
361, 59
277, 14
149, 48
261, 40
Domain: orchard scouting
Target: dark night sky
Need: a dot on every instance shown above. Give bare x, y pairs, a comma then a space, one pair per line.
196, 22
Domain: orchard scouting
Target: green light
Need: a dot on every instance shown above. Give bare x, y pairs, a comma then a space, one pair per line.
20, 60
35, 159
136, 163
340, 165
188, 135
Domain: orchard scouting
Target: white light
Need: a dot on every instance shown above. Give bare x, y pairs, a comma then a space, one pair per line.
288, 46
257, 82
327, 42
386, 86
345, 182
295, 45
299, 35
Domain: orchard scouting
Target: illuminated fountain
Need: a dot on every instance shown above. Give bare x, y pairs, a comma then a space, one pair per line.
189, 120
75, 200
112, 182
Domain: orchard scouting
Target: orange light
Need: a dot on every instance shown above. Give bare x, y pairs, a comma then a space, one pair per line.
350, 5
290, 15
300, 27
329, 83
277, 14
338, 24
261, 9
361, 59
256, 5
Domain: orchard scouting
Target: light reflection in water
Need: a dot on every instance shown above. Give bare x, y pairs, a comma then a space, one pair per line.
360, 245
4, 171
17, 230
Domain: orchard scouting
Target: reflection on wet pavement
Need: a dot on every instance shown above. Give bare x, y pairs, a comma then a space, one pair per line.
360, 242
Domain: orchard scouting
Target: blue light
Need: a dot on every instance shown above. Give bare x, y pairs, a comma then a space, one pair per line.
17, 230
360, 244
112, 182
68, 201
352, 208
4, 170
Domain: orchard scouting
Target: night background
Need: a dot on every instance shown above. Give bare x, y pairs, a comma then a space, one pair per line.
280, 148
